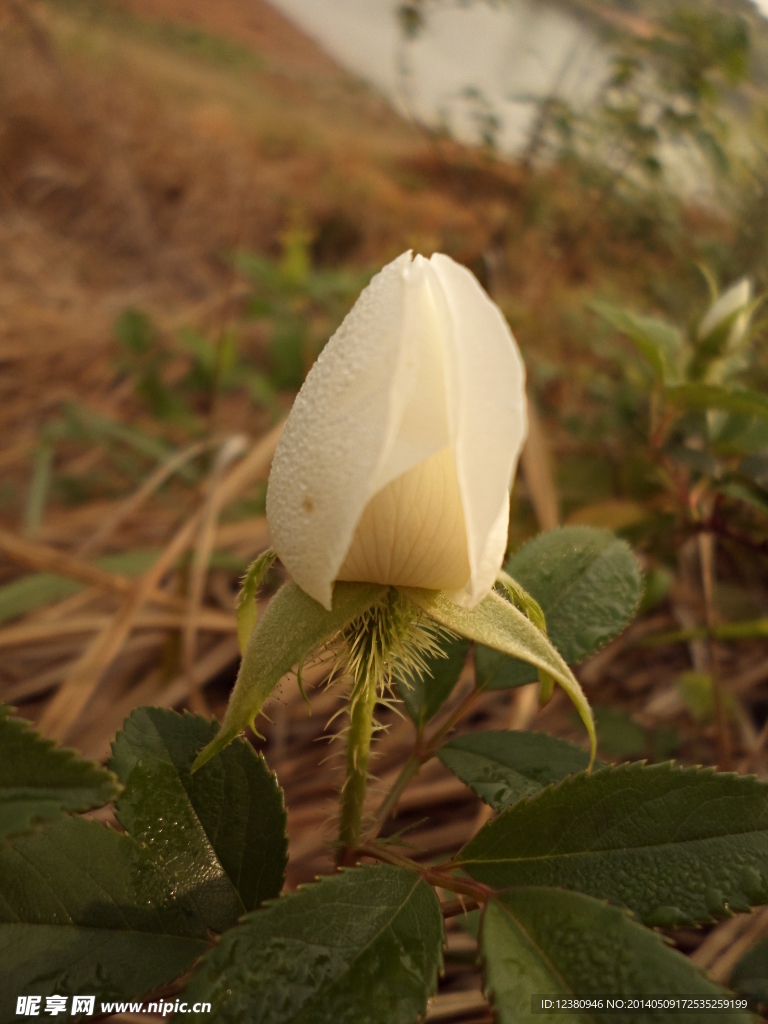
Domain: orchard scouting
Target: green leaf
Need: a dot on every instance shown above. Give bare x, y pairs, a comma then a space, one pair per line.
228, 839
247, 611
710, 396
503, 767
543, 941
84, 909
750, 975
498, 624
675, 845
360, 946
293, 626
588, 584
423, 696
656, 341
38, 780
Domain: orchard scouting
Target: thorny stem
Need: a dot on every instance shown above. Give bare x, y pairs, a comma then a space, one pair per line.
358, 754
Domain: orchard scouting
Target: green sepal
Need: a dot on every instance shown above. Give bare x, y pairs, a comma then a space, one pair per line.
588, 585
531, 607
39, 780
247, 609
498, 624
293, 626
545, 941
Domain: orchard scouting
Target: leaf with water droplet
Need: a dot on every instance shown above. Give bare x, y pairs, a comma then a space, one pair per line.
219, 833
504, 766
668, 843
84, 908
546, 941
360, 946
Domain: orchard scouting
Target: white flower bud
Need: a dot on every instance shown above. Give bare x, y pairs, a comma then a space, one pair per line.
398, 456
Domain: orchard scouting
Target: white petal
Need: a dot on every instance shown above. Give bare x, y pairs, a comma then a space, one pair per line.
412, 533
372, 407
737, 296
487, 415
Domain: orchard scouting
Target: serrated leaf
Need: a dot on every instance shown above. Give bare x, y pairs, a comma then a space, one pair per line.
503, 767
84, 909
658, 342
423, 696
711, 396
498, 624
360, 947
228, 839
675, 845
544, 941
588, 584
38, 780
292, 627
750, 975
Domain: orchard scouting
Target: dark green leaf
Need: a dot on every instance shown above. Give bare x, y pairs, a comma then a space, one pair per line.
293, 626
711, 396
498, 624
361, 947
675, 845
750, 975
424, 696
656, 341
588, 584
38, 780
546, 941
503, 767
84, 909
228, 837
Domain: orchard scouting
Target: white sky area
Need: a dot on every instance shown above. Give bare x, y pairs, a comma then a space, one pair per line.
508, 56
474, 63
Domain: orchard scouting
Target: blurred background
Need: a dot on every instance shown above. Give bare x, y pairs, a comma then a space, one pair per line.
192, 195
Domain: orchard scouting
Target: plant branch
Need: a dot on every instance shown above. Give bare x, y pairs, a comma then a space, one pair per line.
439, 876
454, 908
422, 752
409, 771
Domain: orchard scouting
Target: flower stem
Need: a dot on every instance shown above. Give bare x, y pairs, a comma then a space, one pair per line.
358, 754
